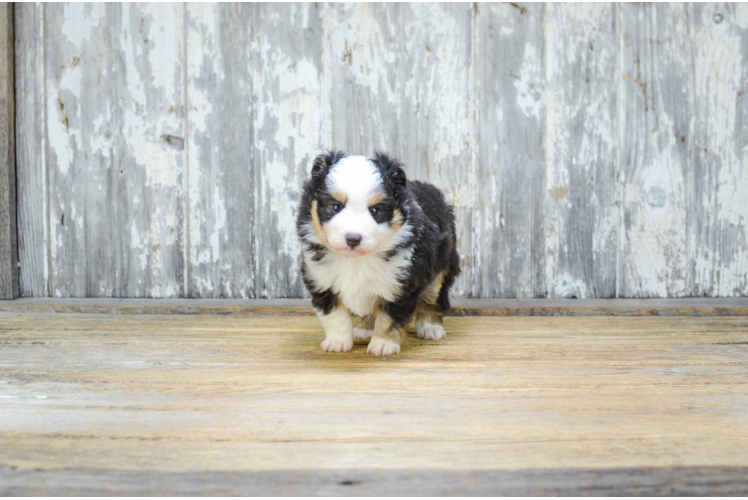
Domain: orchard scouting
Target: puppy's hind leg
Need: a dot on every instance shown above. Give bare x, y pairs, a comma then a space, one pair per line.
366, 329
429, 312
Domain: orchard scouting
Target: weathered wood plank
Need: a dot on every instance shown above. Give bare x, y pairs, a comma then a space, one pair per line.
267, 100
168, 142
31, 148
511, 141
114, 124
580, 228
640, 481
222, 180
719, 215
88, 394
8, 229
656, 149
402, 81
460, 307
292, 126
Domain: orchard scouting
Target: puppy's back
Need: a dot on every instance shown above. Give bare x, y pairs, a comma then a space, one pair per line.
434, 206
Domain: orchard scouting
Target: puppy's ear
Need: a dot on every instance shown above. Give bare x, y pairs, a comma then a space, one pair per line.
322, 164
393, 170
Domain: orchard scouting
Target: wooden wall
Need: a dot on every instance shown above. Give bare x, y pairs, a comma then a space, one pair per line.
8, 230
594, 150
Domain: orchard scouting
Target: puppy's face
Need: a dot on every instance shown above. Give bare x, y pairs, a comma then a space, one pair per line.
355, 209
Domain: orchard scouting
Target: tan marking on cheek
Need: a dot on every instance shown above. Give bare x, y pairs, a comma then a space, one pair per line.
397, 220
339, 196
376, 198
317, 226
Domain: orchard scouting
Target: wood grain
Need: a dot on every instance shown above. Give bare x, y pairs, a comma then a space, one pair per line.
31, 150
8, 229
590, 151
635, 481
192, 395
292, 125
580, 195
511, 154
221, 181
114, 125
402, 81
656, 158
719, 227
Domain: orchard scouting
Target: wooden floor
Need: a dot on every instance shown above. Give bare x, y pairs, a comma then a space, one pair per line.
241, 404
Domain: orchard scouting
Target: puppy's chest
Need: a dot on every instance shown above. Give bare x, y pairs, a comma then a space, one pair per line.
360, 282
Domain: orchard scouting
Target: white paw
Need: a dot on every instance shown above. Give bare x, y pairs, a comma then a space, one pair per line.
382, 347
430, 331
337, 343
362, 333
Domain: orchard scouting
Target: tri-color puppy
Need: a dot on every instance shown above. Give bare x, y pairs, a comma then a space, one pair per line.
377, 246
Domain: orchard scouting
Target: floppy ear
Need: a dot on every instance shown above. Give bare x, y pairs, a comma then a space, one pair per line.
322, 164
393, 169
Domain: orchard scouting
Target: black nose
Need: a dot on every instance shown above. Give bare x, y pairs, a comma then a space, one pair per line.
353, 239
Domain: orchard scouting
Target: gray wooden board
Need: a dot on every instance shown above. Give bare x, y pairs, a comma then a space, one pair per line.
114, 125
580, 193
641, 481
221, 180
291, 123
31, 140
589, 150
655, 155
402, 81
719, 214
8, 231
511, 108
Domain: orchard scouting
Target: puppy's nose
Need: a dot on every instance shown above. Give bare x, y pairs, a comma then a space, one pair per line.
353, 239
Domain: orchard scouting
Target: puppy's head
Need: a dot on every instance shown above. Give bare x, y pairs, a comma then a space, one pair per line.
356, 202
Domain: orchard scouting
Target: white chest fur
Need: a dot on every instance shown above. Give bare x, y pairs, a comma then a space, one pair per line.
360, 282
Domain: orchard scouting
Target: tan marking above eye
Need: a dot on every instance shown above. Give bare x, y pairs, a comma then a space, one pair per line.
376, 198
339, 196
397, 220
316, 226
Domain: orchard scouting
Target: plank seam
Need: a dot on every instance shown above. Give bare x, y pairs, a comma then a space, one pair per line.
45, 155
475, 156
185, 157
619, 178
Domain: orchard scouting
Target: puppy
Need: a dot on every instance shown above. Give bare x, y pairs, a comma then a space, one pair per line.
377, 246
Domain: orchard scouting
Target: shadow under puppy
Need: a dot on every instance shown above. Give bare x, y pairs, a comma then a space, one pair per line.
377, 246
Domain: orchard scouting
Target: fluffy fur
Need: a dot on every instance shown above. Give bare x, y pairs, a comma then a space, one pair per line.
377, 246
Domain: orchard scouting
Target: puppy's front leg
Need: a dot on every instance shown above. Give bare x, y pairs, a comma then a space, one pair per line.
336, 320
389, 327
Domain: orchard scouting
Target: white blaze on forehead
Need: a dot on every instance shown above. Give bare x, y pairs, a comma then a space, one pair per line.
357, 177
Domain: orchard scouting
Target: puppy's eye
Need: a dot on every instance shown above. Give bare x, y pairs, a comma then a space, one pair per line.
374, 211
337, 207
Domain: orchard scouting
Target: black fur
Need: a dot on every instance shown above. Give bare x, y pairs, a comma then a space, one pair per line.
422, 205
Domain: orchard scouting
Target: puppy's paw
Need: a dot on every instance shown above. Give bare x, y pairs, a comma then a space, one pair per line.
362, 333
337, 343
382, 347
430, 331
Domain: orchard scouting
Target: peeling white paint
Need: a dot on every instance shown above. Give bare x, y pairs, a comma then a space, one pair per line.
721, 267
569, 287
529, 83
78, 18
407, 79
